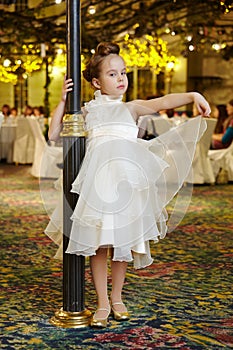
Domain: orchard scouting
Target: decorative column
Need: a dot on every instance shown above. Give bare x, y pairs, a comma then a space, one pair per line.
153, 82
135, 82
73, 313
194, 71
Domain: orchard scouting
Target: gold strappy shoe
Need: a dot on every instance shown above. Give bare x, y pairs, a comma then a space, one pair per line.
119, 315
100, 322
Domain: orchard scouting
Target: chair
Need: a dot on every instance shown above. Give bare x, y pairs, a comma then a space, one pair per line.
7, 138
52, 156
1, 119
202, 171
222, 159
24, 144
46, 157
40, 145
161, 124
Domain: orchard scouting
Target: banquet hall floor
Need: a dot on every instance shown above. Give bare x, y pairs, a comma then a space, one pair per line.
182, 301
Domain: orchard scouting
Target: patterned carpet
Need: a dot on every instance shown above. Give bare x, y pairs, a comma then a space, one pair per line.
183, 301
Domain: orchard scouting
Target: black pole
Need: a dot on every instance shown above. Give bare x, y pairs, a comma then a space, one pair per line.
73, 313
46, 87
73, 290
73, 265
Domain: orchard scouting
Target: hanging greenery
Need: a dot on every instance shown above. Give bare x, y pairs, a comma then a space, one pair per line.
146, 21
20, 64
7, 77
44, 22
147, 51
20, 68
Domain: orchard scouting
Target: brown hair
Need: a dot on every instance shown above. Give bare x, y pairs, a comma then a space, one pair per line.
93, 68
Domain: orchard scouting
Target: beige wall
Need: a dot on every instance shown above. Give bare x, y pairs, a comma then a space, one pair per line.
215, 66
6, 94
36, 91
178, 82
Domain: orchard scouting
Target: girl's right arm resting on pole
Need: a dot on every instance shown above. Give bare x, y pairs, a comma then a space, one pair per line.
56, 122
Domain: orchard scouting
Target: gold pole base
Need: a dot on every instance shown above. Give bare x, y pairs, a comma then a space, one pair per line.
67, 319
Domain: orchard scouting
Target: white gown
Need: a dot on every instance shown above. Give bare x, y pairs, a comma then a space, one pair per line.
125, 183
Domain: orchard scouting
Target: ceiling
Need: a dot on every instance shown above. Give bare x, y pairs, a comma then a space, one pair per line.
176, 21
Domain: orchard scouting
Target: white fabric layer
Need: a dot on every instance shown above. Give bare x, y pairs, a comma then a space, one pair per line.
125, 183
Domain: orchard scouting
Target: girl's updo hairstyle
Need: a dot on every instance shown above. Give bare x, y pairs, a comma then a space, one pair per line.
93, 68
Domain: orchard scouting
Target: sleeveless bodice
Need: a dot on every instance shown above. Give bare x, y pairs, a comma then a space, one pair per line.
109, 117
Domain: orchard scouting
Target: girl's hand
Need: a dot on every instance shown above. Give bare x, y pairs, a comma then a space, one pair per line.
67, 87
202, 105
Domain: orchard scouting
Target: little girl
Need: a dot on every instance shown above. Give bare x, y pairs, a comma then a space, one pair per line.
124, 183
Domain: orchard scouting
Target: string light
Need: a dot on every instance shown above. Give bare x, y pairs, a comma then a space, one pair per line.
170, 65
59, 51
226, 5
92, 10
218, 46
189, 37
191, 48
167, 30
6, 63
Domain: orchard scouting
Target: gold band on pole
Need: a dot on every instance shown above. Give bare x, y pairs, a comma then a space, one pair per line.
73, 125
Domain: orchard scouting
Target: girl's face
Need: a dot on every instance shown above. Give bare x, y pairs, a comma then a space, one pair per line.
113, 79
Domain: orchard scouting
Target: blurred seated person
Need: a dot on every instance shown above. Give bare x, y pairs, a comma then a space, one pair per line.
224, 139
167, 113
14, 113
163, 113
38, 112
6, 111
12, 118
178, 118
220, 113
28, 111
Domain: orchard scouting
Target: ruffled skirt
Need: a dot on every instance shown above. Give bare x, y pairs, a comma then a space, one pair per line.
124, 186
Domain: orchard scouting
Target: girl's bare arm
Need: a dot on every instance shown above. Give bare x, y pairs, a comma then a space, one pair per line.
56, 122
144, 107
